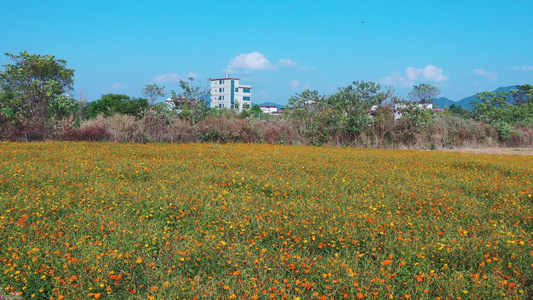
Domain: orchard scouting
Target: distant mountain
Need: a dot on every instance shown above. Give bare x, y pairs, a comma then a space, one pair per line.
444, 102
271, 103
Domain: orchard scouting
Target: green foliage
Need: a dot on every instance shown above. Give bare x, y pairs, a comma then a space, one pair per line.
458, 110
353, 103
495, 109
304, 108
523, 95
256, 112
62, 107
486, 103
32, 87
111, 104
416, 114
189, 103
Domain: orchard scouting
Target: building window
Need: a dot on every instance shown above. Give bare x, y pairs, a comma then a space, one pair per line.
219, 97
246, 98
236, 90
221, 81
246, 90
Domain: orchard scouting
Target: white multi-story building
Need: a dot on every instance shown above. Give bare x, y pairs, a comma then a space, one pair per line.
229, 93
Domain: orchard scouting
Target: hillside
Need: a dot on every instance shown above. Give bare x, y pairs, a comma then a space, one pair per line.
444, 102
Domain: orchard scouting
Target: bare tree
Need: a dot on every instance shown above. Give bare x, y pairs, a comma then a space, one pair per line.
152, 91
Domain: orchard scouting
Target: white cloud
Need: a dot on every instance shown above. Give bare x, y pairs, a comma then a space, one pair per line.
395, 79
524, 68
250, 61
294, 84
412, 75
168, 78
287, 63
432, 73
491, 76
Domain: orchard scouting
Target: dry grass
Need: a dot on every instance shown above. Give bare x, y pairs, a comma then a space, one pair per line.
494, 150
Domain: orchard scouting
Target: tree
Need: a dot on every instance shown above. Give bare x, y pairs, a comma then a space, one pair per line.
152, 91
458, 110
303, 104
424, 93
304, 108
523, 94
354, 102
31, 83
256, 111
190, 102
487, 103
111, 104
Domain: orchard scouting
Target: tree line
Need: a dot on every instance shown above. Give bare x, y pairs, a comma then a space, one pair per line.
36, 104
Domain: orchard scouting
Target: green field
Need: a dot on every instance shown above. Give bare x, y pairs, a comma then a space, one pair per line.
240, 221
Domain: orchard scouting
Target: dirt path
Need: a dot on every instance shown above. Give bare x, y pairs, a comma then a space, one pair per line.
506, 151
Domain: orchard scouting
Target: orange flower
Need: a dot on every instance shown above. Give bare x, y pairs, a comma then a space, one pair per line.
386, 262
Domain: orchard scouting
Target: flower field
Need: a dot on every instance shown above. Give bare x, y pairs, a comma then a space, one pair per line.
241, 221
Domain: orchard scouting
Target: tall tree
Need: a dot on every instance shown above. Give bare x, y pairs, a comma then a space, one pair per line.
354, 102
424, 93
488, 103
523, 94
152, 91
190, 101
31, 82
304, 110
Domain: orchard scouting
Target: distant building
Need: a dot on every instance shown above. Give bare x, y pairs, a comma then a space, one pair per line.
177, 103
398, 107
230, 93
269, 109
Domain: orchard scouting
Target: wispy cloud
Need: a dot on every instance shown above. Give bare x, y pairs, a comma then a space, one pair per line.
308, 68
491, 76
287, 63
524, 68
298, 85
262, 94
116, 86
412, 75
395, 79
193, 75
294, 84
168, 78
249, 61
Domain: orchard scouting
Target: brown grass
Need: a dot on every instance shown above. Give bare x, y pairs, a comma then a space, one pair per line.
494, 150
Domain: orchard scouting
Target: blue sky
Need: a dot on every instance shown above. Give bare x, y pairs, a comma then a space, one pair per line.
279, 47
